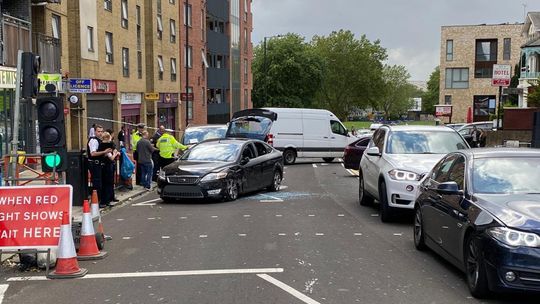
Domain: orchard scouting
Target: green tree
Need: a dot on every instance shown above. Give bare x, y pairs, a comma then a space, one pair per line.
431, 97
352, 71
533, 98
290, 74
514, 81
397, 91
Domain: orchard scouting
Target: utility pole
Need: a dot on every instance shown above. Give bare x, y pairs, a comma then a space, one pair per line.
186, 49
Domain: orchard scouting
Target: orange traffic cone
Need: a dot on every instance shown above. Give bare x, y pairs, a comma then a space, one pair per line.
94, 197
88, 249
66, 259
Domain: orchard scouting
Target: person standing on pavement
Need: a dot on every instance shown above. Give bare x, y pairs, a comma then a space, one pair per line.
168, 145
145, 150
95, 160
475, 137
107, 186
155, 155
122, 137
135, 137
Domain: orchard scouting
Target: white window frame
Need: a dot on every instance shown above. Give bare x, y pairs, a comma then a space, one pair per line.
188, 56
107, 5
109, 55
172, 24
160, 66
124, 21
125, 62
173, 69
159, 27
204, 60
55, 26
187, 14
90, 38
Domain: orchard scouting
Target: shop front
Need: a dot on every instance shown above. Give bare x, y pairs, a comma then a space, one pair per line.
100, 103
7, 97
131, 112
167, 108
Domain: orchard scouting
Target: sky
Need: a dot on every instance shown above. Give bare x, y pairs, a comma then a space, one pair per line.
408, 29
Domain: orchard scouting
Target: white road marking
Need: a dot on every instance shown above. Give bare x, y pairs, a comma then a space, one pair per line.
342, 165
241, 234
282, 234
341, 215
165, 237
202, 236
3, 289
319, 234
398, 234
126, 238
214, 216
375, 214
352, 172
314, 165
324, 164
283, 187
297, 294
279, 215
272, 200
311, 215
119, 220
357, 233
340, 159
247, 215
157, 274
183, 217
151, 218
147, 203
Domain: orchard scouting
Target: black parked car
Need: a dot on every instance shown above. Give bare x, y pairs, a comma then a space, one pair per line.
354, 151
480, 210
222, 168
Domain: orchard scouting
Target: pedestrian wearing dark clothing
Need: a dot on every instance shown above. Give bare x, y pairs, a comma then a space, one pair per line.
107, 187
122, 137
475, 137
95, 160
145, 150
135, 137
155, 155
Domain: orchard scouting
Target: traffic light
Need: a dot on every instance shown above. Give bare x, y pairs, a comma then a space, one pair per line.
31, 64
52, 133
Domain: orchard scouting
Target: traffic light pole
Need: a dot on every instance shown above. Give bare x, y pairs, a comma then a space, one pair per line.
16, 118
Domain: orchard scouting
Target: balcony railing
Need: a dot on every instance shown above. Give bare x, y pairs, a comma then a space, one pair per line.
218, 113
50, 51
15, 36
529, 75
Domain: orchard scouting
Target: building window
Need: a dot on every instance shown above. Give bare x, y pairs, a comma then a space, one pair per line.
188, 58
139, 65
486, 57
159, 27
245, 10
203, 26
173, 69
125, 62
187, 14
173, 30
245, 70
107, 4
447, 99
138, 20
124, 13
172, 2
190, 103
158, 6
245, 40
90, 38
108, 47
55, 26
457, 78
484, 105
507, 47
449, 50
160, 67
246, 100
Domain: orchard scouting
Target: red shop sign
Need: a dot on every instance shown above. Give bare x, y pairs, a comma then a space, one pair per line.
31, 216
103, 86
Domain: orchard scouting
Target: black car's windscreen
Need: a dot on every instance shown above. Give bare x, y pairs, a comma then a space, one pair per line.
424, 142
213, 152
254, 127
197, 135
506, 175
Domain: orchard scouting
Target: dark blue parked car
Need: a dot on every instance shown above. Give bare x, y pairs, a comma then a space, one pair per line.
480, 210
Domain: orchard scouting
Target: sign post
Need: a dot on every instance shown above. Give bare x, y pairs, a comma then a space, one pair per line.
444, 111
501, 78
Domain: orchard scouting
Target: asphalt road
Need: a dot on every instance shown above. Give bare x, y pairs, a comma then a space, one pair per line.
309, 243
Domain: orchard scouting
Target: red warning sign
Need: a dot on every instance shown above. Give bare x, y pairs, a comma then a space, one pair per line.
31, 216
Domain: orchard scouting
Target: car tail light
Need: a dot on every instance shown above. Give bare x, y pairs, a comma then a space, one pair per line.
347, 151
269, 139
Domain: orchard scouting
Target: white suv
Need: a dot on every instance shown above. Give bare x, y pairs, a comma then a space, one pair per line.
396, 159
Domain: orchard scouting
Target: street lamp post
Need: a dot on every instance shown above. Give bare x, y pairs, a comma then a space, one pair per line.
266, 66
186, 48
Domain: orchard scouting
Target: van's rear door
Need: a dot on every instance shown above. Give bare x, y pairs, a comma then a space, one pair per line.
251, 123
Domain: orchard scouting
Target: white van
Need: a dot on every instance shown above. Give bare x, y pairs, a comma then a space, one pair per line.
296, 132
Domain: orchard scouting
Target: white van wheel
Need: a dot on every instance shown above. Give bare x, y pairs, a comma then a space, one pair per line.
289, 156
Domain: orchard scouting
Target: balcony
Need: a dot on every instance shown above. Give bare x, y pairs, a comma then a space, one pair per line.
218, 113
217, 42
529, 75
218, 8
218, 78
16, 36
50, 51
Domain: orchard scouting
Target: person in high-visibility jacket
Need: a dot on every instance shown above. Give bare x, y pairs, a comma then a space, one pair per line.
135, 137
167, 146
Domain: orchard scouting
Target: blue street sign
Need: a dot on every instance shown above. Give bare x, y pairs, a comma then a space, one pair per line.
80, 85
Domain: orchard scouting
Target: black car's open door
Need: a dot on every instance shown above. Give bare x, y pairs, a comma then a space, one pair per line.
251, 123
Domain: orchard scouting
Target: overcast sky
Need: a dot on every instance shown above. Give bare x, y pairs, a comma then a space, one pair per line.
408, 29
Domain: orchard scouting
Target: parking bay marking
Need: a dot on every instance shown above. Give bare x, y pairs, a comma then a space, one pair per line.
157, 274
302, 297
147, 203
3, 289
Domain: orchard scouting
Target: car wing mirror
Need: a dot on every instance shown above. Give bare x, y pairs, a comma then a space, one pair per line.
244, 161
449, 188
373, 151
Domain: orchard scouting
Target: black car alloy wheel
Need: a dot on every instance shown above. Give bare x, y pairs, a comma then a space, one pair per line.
475, 268
231, 192
419, 241
363, 197
289, 156
276, 182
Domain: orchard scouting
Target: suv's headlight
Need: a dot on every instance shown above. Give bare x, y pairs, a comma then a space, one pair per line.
514, 238
402, 175
161, 174
214, 176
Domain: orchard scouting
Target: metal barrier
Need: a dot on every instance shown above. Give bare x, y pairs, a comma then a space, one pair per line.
27, 170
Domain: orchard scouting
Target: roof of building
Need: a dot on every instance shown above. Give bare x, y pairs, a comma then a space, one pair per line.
533, 42
421, 85
533, 19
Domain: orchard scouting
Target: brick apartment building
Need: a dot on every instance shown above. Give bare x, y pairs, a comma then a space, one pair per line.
142, 56
468, 53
